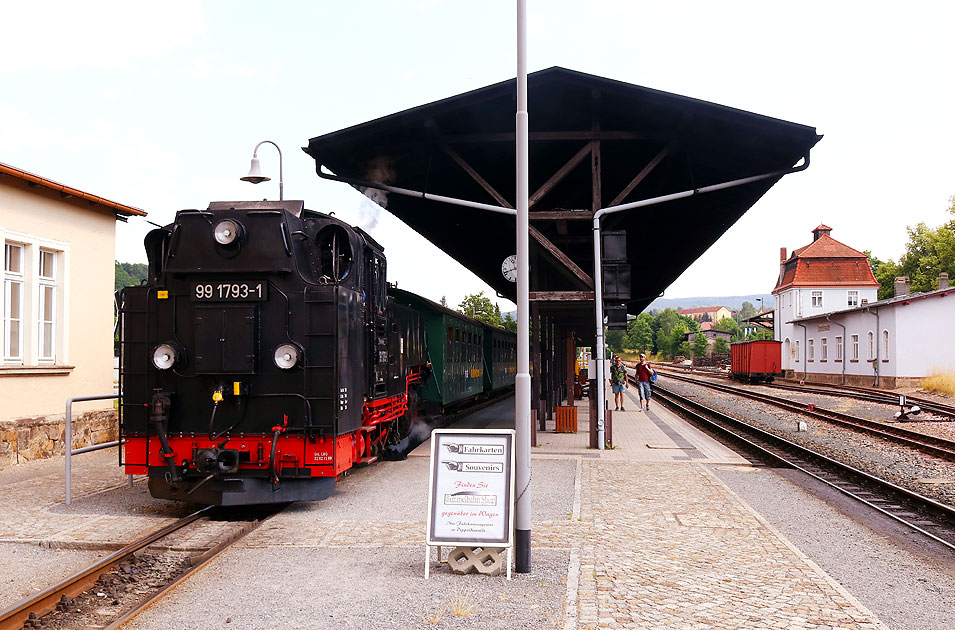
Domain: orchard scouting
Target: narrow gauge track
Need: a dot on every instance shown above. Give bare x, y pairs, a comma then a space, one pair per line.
924, 515
873, 395
851, 391
52, 606
930, 445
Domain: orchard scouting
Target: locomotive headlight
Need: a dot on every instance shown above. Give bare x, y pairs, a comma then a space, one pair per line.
286, 356
165, 356
226, 232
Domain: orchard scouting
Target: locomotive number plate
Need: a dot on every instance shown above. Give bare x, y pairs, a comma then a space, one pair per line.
230, 291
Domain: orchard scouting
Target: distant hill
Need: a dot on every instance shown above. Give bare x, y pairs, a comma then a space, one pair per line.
734, 302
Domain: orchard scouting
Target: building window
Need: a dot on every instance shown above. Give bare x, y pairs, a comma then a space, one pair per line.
885, 345
871, 347
824, 348
854, 340
797, 352
810, 350
852, 299
12, 302
817, 299
46, 322
838, 348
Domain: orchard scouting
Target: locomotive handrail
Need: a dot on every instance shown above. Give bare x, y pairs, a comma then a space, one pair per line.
85, 449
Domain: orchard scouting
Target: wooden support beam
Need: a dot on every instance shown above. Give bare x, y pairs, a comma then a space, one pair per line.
476, 176
557, 177
561, 296
571, 359
561, 256
561, 215
538, 236
643, 173
508, 136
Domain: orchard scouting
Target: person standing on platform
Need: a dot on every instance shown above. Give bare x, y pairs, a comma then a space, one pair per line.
618, 382
645, 373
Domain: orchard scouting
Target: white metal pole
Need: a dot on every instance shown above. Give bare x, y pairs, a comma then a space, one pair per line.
522, 404
601, 384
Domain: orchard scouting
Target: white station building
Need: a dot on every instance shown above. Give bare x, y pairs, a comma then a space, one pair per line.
834, 329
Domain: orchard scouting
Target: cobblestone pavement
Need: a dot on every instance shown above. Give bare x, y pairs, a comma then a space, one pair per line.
654, 539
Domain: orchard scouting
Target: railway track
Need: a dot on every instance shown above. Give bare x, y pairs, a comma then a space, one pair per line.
930, 445
872, 395
921, 514
72, 602
860, 393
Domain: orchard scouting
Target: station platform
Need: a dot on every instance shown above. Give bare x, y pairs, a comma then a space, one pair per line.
643, 535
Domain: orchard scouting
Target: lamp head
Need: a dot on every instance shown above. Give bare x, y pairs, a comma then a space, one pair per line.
255, 175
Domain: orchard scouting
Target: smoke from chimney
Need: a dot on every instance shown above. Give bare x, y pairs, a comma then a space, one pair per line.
379, 171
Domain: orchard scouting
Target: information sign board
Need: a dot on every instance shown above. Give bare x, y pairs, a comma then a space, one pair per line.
471, 487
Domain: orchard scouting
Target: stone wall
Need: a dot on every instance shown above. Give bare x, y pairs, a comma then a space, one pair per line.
27, 439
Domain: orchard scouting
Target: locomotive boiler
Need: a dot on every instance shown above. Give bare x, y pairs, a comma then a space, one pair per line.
265, 355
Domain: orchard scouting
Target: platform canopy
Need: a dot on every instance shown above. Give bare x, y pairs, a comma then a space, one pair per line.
594, 143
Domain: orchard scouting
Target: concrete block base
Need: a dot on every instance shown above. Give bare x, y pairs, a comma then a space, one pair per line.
483, 560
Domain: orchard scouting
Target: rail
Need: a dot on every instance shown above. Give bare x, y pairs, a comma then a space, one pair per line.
867, 489
85, 449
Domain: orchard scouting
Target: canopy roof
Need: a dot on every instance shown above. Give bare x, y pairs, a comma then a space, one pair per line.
594, 143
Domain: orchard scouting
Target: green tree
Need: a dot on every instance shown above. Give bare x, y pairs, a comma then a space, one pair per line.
444, 301
481, 308
720, 346
928, 252
668, 320
683, 349
700, 345
760, 334
885, 273
640, 333
727, 324
747, 310
615, 340
509, 323
129, 275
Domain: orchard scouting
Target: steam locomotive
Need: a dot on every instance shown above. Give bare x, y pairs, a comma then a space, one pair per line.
266, 355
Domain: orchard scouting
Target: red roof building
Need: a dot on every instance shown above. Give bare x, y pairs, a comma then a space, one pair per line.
824, 263
823, 277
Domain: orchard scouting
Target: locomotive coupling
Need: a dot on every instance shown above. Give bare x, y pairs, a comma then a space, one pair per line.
212, 461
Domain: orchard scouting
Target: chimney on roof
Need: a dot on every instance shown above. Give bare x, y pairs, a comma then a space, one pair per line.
819, 231
943, 280
901, 286
782, 254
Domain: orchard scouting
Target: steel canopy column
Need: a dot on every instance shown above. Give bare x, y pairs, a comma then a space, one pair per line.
522, 411
601, 393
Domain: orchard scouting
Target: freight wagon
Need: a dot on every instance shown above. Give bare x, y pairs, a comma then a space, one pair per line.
756, 361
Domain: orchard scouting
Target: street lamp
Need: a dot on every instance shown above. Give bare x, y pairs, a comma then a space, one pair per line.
256, 176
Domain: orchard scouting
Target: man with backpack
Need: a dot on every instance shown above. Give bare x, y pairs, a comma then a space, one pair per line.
645, 374
618, 382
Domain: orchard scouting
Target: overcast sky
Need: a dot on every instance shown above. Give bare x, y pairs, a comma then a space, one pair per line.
159, 105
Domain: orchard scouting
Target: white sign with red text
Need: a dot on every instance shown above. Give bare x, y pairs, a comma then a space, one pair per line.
471, 487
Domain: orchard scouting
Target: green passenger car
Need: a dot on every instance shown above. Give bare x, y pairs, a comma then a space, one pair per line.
500, 358
455, 351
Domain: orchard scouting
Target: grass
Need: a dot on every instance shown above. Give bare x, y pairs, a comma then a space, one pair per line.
433, 618
940, 382
461, 603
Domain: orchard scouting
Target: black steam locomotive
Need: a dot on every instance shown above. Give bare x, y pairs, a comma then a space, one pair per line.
266, 355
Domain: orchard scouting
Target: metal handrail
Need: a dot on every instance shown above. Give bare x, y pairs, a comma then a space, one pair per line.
69, 438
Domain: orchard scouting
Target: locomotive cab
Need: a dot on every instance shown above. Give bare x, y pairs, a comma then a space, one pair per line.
262, 358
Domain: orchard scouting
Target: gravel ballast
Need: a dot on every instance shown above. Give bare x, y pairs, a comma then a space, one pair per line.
926, 475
